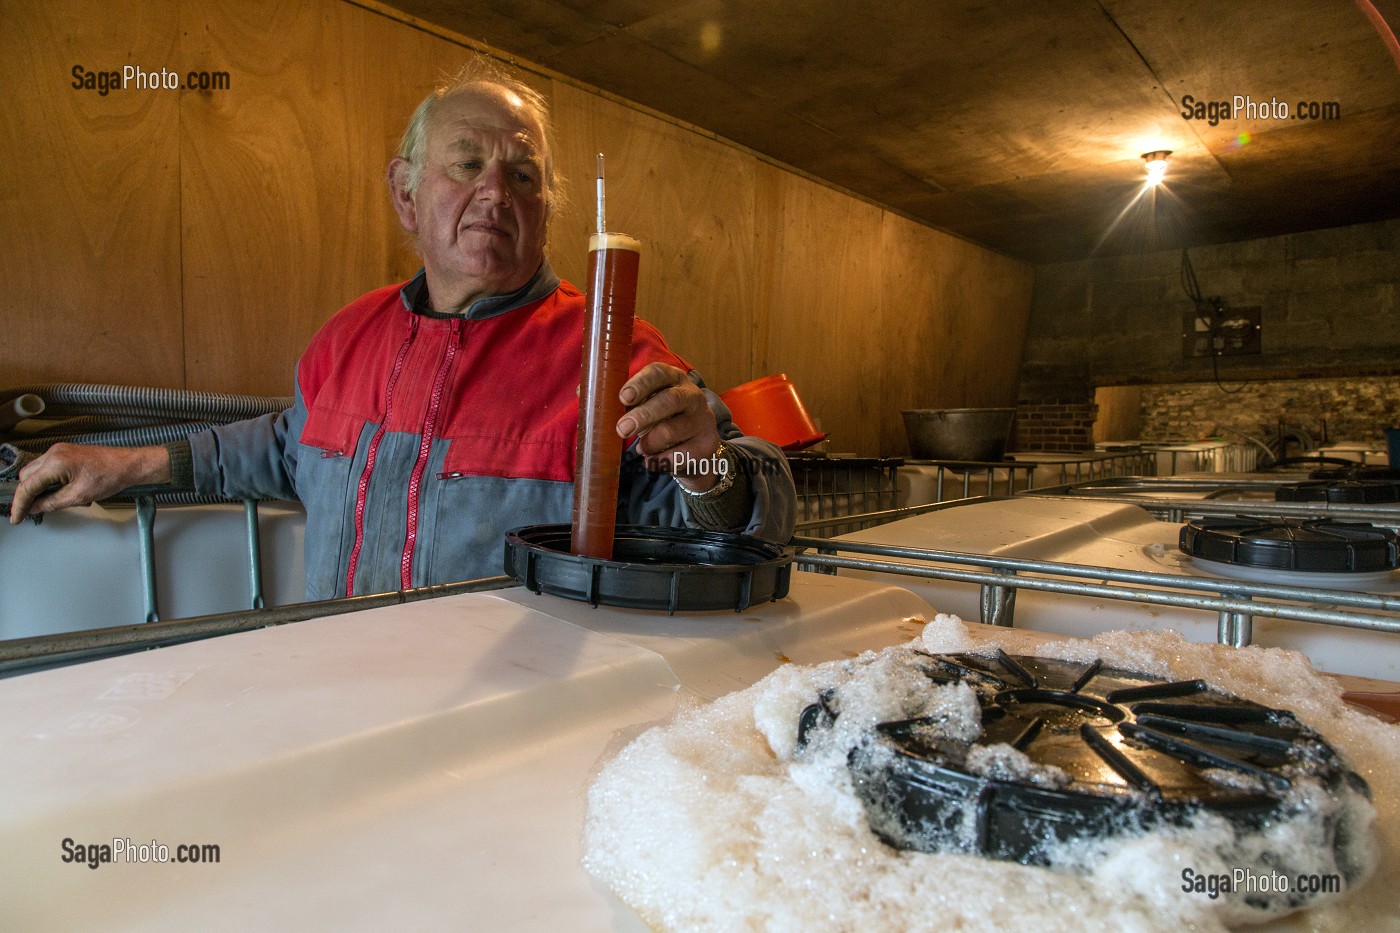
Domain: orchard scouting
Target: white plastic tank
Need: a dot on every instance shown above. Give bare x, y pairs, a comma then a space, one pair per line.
417, 767
81, 568
1121, 537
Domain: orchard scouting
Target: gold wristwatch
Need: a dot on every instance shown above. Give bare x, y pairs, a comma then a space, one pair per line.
722, 453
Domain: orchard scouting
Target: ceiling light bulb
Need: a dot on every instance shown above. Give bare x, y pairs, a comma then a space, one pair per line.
1156, 165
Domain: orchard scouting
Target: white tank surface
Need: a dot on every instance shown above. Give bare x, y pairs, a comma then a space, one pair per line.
1364, 452
418, 767
1121, 537
1215, 456
81, 568
924, 483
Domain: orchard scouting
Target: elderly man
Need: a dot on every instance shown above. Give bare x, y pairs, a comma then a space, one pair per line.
432, 416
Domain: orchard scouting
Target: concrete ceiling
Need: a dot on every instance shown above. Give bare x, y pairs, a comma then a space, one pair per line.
1017, 125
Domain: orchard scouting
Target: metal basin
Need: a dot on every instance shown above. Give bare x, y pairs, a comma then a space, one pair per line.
958, 433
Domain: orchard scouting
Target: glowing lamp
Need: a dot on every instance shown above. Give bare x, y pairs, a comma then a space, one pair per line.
1156, 165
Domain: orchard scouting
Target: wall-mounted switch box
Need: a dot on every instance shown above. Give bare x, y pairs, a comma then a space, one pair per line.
1221, 332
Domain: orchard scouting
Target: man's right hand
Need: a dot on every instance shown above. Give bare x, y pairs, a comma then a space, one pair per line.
84, 474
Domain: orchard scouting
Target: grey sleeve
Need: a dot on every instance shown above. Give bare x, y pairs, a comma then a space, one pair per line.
12, 460
253, 458
773, 509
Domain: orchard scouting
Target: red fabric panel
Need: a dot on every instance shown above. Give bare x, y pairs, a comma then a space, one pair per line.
512, 397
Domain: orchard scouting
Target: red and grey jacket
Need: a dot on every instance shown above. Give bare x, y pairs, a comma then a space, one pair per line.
417, 440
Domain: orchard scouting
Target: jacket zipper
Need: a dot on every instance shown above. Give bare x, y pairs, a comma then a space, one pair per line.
415, 482
363, 488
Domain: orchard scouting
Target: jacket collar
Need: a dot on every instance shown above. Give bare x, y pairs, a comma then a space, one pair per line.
414, 295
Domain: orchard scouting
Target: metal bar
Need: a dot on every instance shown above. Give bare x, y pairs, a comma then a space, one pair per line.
1239, 628
145, 528
1154, 597
1173, 508
888, 515
1224, 627
250, 513
159, 492
1307, 510
1244, 629
1146, 578
850, 489
998, 605
821, 494
27, 652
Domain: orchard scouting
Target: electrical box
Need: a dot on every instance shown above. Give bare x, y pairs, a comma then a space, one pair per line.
1221, 331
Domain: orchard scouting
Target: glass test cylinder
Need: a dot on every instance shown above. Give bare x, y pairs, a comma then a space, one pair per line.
613, 259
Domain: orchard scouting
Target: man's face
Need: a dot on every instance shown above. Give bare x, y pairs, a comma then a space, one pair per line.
480, 209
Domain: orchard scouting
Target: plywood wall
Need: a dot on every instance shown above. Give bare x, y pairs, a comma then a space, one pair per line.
689, 199
89, 201
198, 239
1120, 413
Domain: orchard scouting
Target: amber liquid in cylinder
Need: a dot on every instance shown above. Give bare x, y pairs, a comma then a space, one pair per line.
613, 259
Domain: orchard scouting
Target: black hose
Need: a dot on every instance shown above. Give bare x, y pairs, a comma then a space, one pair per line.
131, 437
85, 424
97, 399
20, 408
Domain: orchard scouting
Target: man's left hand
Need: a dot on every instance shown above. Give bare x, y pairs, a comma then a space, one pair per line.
675, 427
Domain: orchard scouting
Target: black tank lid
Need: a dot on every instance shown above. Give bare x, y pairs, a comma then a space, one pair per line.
1355, 491
1373, 473
1322, 545
676, 569
1132, 750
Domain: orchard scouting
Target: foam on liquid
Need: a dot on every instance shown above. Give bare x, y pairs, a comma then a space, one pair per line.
715, 822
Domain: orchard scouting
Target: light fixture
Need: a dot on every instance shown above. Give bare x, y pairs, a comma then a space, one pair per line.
1156, 165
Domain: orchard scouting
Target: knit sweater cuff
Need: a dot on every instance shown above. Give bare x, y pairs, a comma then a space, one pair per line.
181, 465
729, 511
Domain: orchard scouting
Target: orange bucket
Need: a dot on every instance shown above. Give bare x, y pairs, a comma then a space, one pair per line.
769, 408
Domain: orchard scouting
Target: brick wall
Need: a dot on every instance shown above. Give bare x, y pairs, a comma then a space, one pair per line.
1323, 409
1055, 423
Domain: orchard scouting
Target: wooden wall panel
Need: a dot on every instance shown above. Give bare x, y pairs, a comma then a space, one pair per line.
913, 319
89, 197
285, 215
821, 253
286, 207
690, 200
198, 239
955, 316
989, 297
1120, 413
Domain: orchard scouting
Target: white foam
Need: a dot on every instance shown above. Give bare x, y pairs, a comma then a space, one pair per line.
718, 821
1003, 762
